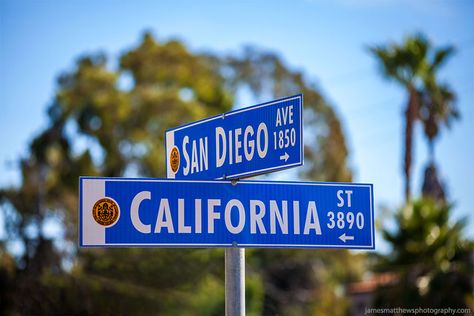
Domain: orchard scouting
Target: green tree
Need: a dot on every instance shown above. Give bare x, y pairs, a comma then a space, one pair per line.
430, 257
414, 64
97, 128
111, 122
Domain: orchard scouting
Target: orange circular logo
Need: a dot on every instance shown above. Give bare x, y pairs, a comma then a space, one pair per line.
174, 159
106, 212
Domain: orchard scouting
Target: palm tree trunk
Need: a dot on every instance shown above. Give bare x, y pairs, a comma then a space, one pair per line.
410, 118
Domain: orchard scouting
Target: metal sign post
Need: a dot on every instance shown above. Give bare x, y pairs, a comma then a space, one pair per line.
234, 281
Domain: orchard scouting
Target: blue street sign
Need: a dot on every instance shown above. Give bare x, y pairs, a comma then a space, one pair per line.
188, 213
237, 144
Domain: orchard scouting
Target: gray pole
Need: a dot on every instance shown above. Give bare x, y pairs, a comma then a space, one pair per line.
235, 281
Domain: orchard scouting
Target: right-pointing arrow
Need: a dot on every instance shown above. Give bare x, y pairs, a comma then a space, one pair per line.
344, 238
285, 157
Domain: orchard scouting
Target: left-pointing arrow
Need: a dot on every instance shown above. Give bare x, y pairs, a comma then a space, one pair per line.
344, 238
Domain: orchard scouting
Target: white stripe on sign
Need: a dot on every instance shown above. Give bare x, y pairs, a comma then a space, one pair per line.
169, 146
92, 192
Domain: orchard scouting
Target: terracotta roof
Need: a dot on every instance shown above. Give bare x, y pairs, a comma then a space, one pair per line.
371, 284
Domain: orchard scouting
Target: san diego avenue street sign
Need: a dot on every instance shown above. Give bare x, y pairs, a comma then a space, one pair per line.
237, 144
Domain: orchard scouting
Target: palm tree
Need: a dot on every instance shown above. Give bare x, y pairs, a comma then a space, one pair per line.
413, 64
405, 64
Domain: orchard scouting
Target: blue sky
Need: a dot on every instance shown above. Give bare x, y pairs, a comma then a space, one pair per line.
327, 40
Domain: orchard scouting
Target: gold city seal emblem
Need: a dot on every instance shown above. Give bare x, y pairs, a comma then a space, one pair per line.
174, 159
106, 212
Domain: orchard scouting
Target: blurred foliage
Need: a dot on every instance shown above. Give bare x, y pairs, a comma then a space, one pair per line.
110, 122
430, 258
